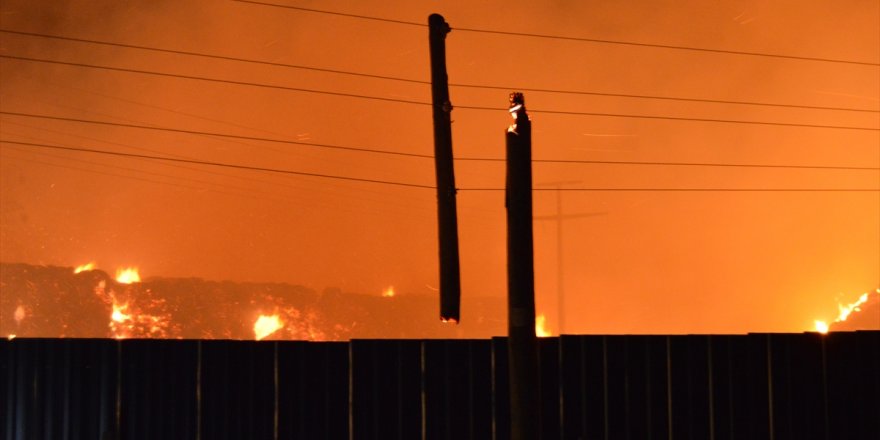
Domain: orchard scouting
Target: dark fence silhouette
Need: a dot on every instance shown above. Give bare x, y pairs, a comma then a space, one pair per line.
757, 386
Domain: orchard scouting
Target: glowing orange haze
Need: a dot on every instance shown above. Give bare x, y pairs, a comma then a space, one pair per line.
642, 262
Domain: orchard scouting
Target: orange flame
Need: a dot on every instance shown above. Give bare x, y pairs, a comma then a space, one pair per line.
85, 267
540, 330
843, 313
266, 325
389, 292
119, 314
127, 275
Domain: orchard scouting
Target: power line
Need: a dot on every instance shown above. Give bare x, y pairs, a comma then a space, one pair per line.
217, 57
405, 101
687, 189
428, 156
216, 80
340, 14
686, 164
413, 185
416, 81
675, 118
222, 135
667, 46
581, 39
218, 164
664, 98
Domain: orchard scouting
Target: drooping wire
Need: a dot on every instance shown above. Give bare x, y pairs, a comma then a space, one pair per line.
416, 81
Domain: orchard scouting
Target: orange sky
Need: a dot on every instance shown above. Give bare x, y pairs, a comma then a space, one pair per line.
651, 262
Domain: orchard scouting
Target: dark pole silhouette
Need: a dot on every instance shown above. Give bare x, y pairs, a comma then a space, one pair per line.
522, 343
450, 283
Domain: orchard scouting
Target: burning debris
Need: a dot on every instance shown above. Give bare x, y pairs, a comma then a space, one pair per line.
128, 275
846, 310
84, 268
266, 325
540, 329
388, 293
40, 301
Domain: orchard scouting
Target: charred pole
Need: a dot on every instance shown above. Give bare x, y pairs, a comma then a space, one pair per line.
522, 343
450, 284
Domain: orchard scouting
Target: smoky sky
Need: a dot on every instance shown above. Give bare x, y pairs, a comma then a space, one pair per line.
641, 261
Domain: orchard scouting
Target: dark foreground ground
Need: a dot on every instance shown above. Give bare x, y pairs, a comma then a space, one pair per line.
756, 386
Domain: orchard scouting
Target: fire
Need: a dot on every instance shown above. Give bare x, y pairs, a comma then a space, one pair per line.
849, 308
266, 325
540, 330
389, 292
118, 313
85, 267
843, 312
449, 320
10, 337
127, 275
19, 314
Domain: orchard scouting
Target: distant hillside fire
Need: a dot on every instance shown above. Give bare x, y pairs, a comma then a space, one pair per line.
862, 314
86, 302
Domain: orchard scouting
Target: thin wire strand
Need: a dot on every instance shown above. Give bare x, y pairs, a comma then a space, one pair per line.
339, 14
687, 189
219, 164
275, 170
668, 46
219, 57
581, 39
221, 135
217, 80
663, 98
688, 164
428, 156
674, 118
416, 81
405, 101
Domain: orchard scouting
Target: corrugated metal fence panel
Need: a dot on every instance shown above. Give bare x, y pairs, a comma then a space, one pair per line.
614, 387
386, 389
313, 390
548, 384
237, 389
852, 367
798, 395
500, 390
758, 386
457, 389
59, 388
158, 389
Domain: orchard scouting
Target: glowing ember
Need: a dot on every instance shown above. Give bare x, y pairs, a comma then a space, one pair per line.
118, 315
540, 330
389, 292
127, 275
266, 325
19, 314
449, 320
844, 312
849, 308
85, 267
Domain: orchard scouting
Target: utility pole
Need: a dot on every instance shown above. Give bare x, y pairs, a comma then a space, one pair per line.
450, 282
521, 340
560, 267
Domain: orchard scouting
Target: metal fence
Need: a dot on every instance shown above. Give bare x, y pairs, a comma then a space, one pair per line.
757, 386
